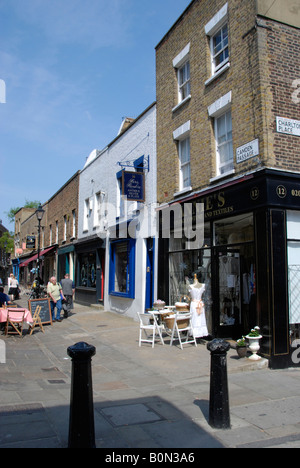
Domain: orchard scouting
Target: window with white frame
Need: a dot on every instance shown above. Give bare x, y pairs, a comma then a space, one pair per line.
56, 232
184, 85
223, 135
181, 63
65, 228
73, 223
86, 215
182, 136
220, 111
217, 31
219, 48
97, 211
184, 164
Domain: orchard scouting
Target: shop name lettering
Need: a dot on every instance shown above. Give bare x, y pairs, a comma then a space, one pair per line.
214, 205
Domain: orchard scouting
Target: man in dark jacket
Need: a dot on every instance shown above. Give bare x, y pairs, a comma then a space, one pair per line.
68, 289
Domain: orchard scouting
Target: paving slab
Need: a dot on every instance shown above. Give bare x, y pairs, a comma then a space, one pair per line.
143, 397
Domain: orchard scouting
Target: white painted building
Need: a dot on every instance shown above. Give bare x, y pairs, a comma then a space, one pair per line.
116, 247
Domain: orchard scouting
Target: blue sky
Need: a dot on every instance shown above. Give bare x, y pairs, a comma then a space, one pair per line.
73, 69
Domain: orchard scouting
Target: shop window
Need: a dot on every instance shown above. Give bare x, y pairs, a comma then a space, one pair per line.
122, 268
236, 230
87, 270
293, 234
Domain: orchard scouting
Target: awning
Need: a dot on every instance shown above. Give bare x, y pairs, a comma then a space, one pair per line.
31, 259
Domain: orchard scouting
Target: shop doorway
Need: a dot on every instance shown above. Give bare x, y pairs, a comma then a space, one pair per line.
150, 274
235, 280
236, 290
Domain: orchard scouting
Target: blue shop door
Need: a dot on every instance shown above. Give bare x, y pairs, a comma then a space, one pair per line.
150, 274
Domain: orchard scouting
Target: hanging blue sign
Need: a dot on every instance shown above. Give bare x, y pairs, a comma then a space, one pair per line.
133, 186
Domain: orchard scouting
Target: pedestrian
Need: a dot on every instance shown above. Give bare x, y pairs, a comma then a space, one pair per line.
13, 287
68, 289
4, 298
54, 291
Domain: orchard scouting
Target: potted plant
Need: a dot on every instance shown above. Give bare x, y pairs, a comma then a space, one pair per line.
241, 347
254, 336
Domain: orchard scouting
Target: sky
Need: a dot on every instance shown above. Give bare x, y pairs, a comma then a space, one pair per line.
72, 70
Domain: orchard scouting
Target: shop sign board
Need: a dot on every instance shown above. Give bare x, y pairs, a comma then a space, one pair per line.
133, 186
288, 126
30, 242
248, 151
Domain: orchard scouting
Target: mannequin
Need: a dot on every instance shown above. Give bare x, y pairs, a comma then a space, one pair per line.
198, 309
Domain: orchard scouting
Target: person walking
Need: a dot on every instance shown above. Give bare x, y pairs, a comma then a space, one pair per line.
68, 289
54, 291
13, 287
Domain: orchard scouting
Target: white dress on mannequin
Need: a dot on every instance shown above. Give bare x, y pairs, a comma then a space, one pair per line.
197, 306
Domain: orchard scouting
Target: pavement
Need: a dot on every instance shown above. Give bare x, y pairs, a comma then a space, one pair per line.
144, 398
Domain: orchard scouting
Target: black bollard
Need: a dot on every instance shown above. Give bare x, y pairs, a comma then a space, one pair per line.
82, 425
219, 416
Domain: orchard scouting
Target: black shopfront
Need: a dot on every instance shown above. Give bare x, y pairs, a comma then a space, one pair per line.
249, 262
90, 266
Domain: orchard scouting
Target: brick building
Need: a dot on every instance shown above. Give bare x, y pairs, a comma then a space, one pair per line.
228, 137
61, 229
57, 236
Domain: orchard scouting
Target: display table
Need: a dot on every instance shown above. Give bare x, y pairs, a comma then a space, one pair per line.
27, 319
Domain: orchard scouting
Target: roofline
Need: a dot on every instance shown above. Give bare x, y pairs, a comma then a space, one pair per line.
175, 24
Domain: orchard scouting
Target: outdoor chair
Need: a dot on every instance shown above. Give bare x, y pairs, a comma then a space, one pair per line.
183, 329
151, 329
36, 320
15, 322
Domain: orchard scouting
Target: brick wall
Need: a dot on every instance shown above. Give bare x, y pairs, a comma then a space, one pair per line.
284, 69
62, 204
254, 79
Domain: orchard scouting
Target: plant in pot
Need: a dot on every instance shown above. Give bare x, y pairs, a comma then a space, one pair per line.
241, 347
254, 337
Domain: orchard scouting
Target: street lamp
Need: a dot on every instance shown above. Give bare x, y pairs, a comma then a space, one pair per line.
39, 214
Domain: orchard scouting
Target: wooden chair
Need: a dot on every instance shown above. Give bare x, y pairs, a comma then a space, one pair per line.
36, 320
15, 320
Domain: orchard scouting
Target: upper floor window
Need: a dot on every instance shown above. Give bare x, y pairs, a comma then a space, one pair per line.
181, 63
184, 85
182, 136
220, 52
223, 134
220, 111
185, 163
217, 31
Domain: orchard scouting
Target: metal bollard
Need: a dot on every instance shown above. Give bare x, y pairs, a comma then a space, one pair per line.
219, 416
81, 425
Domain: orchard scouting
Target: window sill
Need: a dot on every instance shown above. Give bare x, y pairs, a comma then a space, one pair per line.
183, 192
122, 295
217, 74
188, 98
222, 176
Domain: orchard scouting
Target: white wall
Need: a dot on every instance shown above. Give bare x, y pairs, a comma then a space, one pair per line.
99, 174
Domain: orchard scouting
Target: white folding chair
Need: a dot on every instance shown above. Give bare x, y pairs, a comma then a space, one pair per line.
150, 327
15, 320
183, 325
